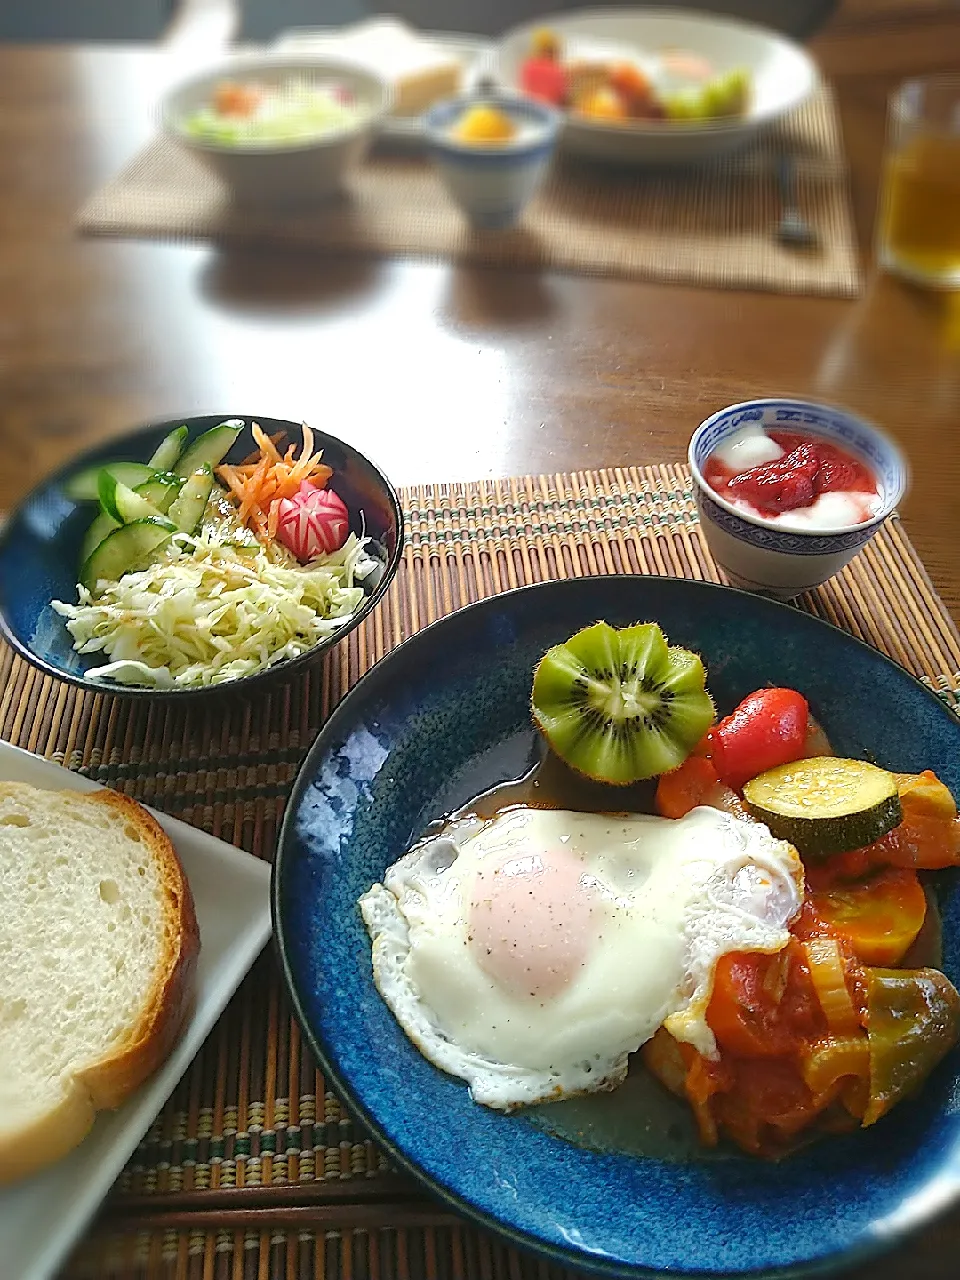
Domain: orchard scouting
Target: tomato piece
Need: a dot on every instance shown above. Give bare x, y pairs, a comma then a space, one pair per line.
764, 1006
769, 1105
767, 729
544, 78
686, 787
879, 917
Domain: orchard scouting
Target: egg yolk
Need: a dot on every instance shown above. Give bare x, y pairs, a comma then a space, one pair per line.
533, 921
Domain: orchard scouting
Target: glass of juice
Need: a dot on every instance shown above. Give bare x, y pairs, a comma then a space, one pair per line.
919, 226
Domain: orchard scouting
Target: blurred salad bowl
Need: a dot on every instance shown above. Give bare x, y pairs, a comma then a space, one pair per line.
279, 131
197, 555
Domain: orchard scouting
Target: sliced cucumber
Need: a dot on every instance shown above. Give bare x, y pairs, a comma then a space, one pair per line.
158, 494
103, 525
210, 448
187, 510
83, 487
121, 503
125, 549
825, 804
169, 449
161, 492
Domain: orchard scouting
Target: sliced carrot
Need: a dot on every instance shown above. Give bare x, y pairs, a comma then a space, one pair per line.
879, 917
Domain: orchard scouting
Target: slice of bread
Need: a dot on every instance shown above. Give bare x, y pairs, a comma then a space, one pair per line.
98, 949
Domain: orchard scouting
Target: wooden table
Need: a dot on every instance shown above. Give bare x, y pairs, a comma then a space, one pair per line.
440, 372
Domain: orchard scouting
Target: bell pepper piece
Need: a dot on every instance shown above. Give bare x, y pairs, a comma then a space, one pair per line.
913, 1022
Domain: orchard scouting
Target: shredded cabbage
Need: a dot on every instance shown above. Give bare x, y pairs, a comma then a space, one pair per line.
297, 112
207, 613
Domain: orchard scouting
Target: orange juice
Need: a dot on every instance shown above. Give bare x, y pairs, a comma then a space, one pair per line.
920, 228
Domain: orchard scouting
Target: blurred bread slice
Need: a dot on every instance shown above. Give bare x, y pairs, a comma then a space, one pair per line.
98, 948
420, 71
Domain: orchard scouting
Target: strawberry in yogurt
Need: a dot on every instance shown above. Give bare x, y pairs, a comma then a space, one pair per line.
793, 480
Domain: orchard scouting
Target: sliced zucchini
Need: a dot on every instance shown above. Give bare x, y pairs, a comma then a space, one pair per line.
187, 510
161, 491
210, 448
825, 804
169, 449
84, 486
103, 525
125, 549
122, 503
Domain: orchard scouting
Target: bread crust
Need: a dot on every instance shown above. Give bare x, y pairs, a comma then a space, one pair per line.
109, 1080
112, 1079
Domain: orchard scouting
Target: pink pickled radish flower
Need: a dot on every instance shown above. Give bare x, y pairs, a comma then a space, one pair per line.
312, 522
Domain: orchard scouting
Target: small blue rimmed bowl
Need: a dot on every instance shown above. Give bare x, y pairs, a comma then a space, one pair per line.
40, 548
756, 553
492, 183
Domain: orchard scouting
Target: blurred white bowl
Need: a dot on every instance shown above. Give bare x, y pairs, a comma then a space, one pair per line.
783, 76
270, 174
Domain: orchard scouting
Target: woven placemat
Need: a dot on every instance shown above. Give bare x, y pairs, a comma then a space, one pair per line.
713, 225
253, 1168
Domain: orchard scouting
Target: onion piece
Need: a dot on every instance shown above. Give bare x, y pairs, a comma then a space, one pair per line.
830, 983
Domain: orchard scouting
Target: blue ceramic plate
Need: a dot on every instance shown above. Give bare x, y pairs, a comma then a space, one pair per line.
445, 717
40, 548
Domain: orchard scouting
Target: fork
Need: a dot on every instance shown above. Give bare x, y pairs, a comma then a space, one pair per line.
792, 229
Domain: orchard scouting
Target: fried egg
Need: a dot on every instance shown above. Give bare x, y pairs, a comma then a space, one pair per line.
531, 953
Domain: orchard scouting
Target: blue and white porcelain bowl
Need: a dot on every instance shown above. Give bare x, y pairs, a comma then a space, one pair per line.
493, 183
755, 552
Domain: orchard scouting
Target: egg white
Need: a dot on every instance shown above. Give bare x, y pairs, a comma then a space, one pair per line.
668, 898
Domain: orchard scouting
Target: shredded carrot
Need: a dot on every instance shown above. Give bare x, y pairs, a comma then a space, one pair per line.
258, 485
267, 447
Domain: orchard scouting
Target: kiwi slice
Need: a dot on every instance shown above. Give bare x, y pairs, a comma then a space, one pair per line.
621, 705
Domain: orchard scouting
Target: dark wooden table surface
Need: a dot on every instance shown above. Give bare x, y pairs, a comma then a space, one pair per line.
438, 372
448, 372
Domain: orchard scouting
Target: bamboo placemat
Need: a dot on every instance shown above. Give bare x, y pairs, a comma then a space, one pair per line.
253, 1169
712, 225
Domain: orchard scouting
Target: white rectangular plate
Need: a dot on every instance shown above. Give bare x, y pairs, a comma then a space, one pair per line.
475, 53
42, 1218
